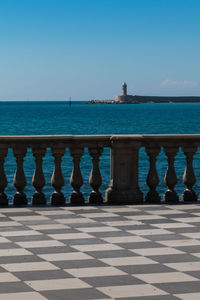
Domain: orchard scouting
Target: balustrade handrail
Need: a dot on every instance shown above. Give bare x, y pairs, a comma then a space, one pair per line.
100, 138
123, 188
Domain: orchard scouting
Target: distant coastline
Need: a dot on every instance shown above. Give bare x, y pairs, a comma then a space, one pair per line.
149, 99
135, 99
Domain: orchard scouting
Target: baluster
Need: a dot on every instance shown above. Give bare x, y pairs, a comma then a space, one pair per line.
189, 178
3, 179
95, 179
170, 176
152, 178
57, 179
76, 179
19, 180
38, 180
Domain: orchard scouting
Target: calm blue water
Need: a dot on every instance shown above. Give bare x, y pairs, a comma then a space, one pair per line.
22, 118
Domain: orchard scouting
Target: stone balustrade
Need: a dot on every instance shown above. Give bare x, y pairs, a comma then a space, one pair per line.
124, 160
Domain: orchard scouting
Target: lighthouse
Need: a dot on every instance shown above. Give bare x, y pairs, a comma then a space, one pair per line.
125, 98
124, 89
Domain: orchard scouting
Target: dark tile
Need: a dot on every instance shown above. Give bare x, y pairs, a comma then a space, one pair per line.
28, 238
41, 275
19, 259
58, 231
110, 253
135, 227
12, 228
82, 241
143, 269
112, 280
48, 250
163, 297
75, 294
9, 246
190, 249
86, 263
185, 229
180, 287
174, 258
110, 234
165, 237
14, 287
139, 245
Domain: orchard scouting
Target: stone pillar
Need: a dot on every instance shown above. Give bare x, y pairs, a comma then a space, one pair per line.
57, 179
170, 176
124, 187
3, 178
95, 179
76, 179
19, 180
38, 179
189, 177
152, 177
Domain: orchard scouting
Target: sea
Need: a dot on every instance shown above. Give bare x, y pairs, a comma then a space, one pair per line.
58, 117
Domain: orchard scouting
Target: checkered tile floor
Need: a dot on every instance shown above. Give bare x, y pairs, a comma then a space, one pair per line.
109, 252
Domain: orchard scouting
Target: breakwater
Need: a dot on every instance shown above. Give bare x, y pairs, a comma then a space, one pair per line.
149, 99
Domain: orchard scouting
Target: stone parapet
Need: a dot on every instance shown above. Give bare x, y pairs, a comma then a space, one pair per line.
124, 167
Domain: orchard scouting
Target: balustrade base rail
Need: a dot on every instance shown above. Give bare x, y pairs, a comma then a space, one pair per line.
124, 170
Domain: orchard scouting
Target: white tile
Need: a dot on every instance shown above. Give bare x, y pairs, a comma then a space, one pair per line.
196, 254
80, 208
65, 256
22, 296
104, 299
29, 218
192, 235
70, 221
15, 210
8, 277
95, 272
48, 226
188, 220
128, 261
96, 247
98, 215
183, 207
29, 266
186, 266
122, 223
57, 284
145, 217
165, 277
20, 233
98, 229
172, 225
54, 212
156, 251
136, 290
40, 244
150, 232
120, 209
188, 296
196, 214
179, 243
142, 206
14, 252
10, 223
4, 240
70, 236
125, 239
166, 212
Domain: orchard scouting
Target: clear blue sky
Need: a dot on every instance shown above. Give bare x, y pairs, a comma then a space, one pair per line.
53, 49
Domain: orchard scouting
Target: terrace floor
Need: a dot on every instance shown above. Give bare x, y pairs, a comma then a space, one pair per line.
109, 252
